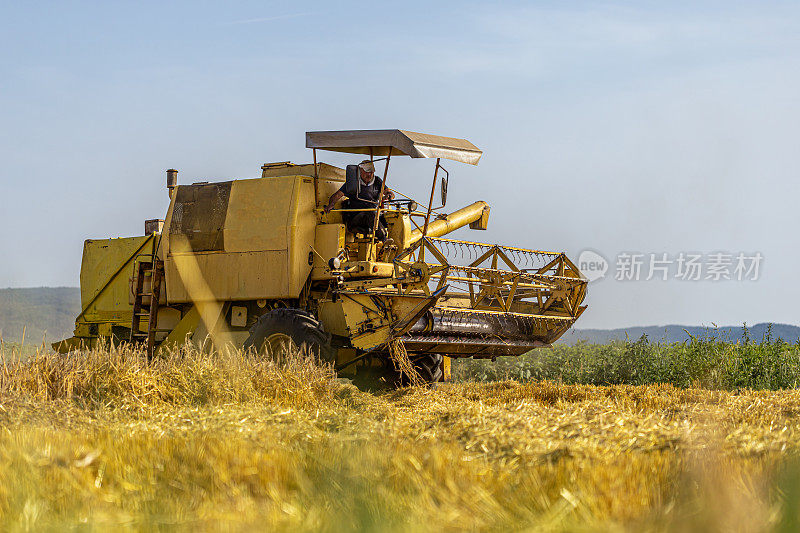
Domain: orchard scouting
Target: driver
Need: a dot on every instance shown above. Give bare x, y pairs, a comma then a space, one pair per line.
362, 193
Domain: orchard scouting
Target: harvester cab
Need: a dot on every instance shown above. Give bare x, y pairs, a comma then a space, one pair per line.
267, 263
406, 222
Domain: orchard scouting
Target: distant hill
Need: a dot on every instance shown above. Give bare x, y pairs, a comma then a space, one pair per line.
40, 310
676, 333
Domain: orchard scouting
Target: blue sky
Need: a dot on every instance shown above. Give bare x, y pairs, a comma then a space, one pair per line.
620, 127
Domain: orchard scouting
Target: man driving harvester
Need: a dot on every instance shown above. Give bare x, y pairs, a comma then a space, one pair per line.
362, 190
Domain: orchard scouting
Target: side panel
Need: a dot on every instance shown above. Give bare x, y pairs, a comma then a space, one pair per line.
371, 318
327, 243
300, 235
261, 250
259, 212
227, 276
106, 271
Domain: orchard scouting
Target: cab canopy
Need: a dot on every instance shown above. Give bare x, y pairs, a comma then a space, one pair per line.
377, 143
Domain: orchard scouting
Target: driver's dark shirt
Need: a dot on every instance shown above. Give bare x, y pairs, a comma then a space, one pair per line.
361, 195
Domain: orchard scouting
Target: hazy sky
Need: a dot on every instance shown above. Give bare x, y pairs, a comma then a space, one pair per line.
650, 127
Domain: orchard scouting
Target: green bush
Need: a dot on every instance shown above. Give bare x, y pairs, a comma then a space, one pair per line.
708, 361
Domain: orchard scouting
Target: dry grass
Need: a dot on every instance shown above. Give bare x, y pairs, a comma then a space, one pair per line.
230, 441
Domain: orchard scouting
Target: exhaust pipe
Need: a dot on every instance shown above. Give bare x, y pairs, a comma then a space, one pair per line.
172, 180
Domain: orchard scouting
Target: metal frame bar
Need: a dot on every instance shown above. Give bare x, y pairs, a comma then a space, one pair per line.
316, 180
430, 202
380, 199
492, 287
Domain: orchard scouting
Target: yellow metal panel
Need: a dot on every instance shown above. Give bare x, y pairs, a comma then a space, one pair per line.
400, 228
268, 234
230, 276
211, 328
82, 330
68, 345
106, 271
287, 168
258, 214
178, 335
447, 374
343, 356
300, 234
331, 314
166, 320
238, 316
367, 325
329, 239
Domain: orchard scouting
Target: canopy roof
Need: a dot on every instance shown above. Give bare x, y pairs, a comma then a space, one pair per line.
401, 142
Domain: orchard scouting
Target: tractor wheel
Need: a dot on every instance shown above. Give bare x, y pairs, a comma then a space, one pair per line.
287, 328
386, 376
428, 366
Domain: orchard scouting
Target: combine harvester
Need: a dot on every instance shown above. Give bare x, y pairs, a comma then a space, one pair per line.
260, 263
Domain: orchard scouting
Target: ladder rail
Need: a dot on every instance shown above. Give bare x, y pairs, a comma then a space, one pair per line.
138, 295
155, 289
147, 265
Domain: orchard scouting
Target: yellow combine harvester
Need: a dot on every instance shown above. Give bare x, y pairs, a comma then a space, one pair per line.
262, 262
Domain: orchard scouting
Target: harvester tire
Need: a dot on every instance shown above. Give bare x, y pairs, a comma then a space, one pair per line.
387, 376
287, 325
428, 366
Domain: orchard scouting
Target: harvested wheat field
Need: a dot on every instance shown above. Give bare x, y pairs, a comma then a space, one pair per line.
232, 441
